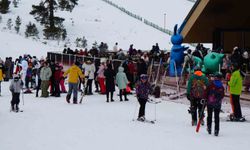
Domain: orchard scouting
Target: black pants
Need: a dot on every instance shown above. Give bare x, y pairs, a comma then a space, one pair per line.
15, 99
195, 105
27, 81
142, 103
236, 105
111, 95
38, 87
57, 89
88, 89
123, 92
216, 111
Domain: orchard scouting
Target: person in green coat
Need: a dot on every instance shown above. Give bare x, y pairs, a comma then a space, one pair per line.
196, 91
235, 84
122, 81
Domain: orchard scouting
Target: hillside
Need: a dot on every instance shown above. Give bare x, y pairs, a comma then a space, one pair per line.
97, 21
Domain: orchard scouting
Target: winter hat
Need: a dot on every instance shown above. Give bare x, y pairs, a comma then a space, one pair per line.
144, 77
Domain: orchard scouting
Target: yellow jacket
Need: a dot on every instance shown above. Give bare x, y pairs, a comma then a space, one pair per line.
74, 72
1, 75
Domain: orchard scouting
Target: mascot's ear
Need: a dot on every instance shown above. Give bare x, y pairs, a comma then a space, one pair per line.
175, 29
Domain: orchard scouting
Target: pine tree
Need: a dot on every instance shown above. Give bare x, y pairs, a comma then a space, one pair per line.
18, 24
31, 30
4, 6
15, 3
9, 24
44, 13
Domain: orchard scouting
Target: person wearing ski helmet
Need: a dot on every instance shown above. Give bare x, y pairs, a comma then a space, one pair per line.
143, 89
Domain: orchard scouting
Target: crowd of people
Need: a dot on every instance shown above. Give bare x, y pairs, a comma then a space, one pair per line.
31, 73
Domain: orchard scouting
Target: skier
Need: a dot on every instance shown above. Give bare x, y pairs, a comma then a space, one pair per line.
122, 81
215, 95
15, 88
235, 84
74, 72
143, 89
196, 91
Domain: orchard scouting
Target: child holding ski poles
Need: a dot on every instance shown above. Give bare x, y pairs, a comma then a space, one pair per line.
215, 96
143, 89
15, 88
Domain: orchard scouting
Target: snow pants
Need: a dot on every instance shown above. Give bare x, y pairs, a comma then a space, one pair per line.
142, 103
236, 106
216, 111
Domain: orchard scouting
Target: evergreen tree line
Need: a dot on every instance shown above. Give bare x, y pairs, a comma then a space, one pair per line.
44, 14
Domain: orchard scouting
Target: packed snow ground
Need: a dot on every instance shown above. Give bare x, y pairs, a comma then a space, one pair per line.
51, 123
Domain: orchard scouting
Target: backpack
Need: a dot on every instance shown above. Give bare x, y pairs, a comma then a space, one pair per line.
198, 90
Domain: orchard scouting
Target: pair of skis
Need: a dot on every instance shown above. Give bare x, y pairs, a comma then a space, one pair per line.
201, 117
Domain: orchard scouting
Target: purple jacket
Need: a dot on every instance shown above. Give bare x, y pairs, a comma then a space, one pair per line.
143, 90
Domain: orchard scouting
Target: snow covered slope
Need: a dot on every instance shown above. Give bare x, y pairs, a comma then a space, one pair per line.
97, 21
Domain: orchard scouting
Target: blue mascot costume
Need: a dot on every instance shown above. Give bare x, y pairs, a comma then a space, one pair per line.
177, 53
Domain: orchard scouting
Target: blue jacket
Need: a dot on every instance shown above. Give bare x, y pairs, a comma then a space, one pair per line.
121, 79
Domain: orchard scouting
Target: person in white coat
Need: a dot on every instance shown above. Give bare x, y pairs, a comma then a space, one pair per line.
89, 70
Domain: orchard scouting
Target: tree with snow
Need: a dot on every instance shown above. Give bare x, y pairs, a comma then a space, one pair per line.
18, 24
31, 30
44, 13
15, 3
4, 6
9, 24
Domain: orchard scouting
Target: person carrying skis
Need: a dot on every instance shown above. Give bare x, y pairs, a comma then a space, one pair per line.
74, 72
16, 86
215, 95
235, 85
143, 89
196, 91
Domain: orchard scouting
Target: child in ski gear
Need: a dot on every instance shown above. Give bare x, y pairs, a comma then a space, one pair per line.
15, 88
101, 77
215, 95
196, 91
109, 74
74, 72
235, 84
143, 89
122, 81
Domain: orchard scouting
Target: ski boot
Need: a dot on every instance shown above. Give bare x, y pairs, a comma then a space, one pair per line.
17, 108
142, 118
209, 130
74, 100
216, 133
68, 98
194, 123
